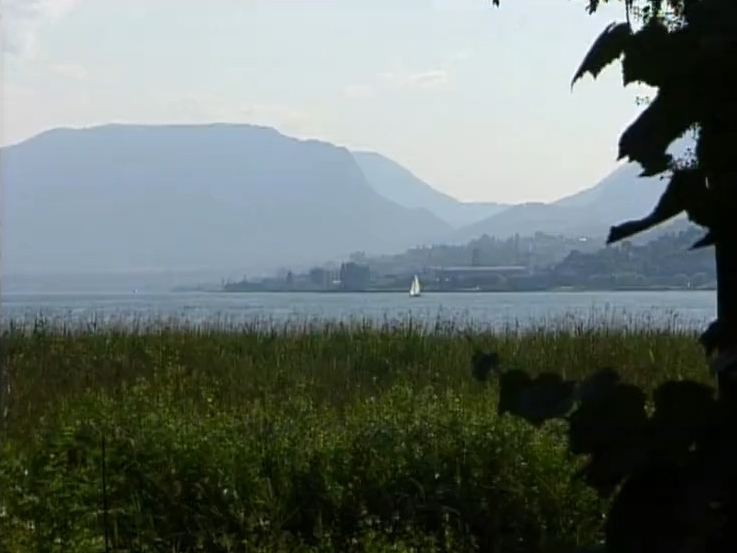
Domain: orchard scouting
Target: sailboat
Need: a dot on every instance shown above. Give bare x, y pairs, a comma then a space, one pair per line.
414, 289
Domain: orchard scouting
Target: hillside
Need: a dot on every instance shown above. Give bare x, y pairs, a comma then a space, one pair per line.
401, 186
664, 261
526, 219
620, 196
176, 197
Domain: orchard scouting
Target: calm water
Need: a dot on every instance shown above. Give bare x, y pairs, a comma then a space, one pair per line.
492, 309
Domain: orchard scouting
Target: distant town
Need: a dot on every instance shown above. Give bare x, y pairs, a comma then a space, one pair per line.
536, 263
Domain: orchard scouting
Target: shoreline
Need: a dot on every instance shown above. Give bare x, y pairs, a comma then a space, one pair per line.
465, 291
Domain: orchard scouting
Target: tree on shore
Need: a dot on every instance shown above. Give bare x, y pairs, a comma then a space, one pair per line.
675, 470
687, 51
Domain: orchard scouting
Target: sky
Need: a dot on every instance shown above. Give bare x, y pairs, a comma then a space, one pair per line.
474, 100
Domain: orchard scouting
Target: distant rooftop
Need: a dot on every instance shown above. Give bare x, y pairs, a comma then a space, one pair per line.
480, 268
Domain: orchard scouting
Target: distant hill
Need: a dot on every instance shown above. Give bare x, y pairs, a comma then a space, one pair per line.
401, 186
528, 218
181, 197
623, 191
622, 195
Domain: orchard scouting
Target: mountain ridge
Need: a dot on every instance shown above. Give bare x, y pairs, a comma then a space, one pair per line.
619, 196
182, 196
174, 197
402, 186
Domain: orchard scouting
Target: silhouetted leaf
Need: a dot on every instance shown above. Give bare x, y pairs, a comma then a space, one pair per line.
683, 410
627, 229
605, 471
615, 420
536, 400
686, 190
548, 398
609, 46
725, 362
713, 18
705, 242
611, 426
598, 384
641, 518
701, 208
683, 8
715, 148
649, 56
483, 363
714, 336
647, 139
658, 57
511, 385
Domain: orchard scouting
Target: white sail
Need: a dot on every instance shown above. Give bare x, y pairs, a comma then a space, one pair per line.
414, 289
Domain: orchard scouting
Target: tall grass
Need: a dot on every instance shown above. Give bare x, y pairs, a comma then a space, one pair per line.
312, 436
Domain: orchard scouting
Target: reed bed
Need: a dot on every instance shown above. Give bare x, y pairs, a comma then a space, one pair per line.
306, 436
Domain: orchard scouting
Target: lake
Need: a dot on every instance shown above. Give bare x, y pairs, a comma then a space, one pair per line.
682, 308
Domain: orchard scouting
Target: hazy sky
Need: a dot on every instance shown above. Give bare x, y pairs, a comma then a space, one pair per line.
473, 99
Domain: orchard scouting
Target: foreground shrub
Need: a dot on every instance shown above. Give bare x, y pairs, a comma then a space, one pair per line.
409, 463
352, 439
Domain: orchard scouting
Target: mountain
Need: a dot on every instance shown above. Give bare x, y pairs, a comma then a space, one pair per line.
623, 192
525, 219
399, 185
620, 196
183, 197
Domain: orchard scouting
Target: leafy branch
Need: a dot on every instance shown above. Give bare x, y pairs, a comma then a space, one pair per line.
674, 470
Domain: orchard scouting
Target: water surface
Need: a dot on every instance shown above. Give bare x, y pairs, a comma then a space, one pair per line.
691, 308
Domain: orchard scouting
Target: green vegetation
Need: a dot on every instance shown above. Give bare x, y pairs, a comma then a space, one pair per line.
331, 438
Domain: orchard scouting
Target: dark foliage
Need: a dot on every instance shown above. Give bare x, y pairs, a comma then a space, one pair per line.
686, 191
483, 364
608, 48
674, 470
